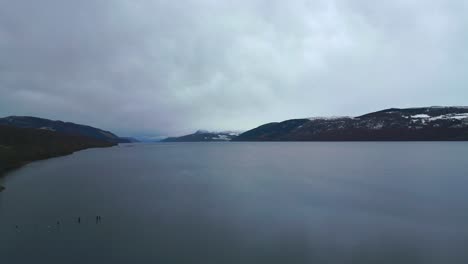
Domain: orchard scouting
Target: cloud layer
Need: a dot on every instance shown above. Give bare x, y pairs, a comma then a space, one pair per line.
169, 67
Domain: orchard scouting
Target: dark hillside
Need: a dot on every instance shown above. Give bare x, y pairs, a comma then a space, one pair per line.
22, 145
61, 127
410, 124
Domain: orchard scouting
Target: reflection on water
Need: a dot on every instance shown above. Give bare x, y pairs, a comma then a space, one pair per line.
241, 203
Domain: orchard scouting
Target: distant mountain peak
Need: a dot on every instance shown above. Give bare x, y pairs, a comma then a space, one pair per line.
204, 136
202, 131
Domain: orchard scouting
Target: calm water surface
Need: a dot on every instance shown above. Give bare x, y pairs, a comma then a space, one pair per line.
241, 203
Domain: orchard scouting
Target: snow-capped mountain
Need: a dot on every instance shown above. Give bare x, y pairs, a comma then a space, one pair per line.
204, 136
423, 123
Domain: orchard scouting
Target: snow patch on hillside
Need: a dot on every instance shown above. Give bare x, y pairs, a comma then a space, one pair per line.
228, 132
420, 116
450, 116
424, 117
47, 128
221, 137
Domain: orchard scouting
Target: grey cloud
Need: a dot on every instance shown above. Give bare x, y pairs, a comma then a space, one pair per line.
170, 67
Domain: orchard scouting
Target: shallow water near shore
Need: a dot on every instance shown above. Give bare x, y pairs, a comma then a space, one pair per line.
321, 202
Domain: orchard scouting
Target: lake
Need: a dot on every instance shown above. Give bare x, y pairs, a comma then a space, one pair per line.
322, 202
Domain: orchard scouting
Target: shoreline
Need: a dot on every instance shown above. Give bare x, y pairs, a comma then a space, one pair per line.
21, 164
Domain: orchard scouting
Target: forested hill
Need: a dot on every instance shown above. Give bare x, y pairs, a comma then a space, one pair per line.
22, 145
409, 124
61, 127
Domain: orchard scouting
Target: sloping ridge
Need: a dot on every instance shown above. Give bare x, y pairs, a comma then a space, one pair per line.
394, 124
19, 146
204, 136
62, 127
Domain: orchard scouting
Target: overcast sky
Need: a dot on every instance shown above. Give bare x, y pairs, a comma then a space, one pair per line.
162, 67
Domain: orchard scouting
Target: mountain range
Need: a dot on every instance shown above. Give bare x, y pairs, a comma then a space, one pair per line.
408, 124
204, 136
24, 138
